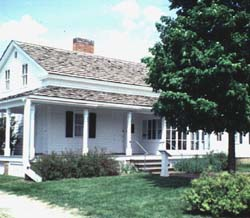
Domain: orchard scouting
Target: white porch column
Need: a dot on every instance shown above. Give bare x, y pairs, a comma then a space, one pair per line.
129, 143
188, 140
200, 140
163, 133
26, 132
85, 148
7, 133
32, 132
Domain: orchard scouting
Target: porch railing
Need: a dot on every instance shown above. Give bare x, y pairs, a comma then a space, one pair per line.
145, 152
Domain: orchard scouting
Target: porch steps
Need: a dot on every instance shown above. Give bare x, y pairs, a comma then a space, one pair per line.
151, 166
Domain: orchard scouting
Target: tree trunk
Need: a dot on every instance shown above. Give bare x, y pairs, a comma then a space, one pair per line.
231, 152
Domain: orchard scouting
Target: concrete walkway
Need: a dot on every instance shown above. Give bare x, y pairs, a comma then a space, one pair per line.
13, 206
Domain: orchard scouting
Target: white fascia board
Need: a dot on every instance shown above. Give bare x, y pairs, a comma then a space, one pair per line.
6, 54
90, 104
98, 85
11, 103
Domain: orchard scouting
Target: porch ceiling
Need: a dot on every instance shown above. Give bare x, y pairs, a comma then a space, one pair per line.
88, 95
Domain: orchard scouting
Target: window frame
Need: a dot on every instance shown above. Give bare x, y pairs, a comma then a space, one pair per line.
7, 79
25, 74
79, 124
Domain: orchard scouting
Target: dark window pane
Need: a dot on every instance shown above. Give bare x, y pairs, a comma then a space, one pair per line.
154, 130
168, 145
173, 145
168, 134
179, 144
144, 129
149, 129
184, 145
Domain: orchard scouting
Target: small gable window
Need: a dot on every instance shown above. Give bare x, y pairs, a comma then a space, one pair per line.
15, 54
7, 79
25, 74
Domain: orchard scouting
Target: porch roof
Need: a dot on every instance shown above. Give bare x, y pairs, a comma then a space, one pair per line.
87, 95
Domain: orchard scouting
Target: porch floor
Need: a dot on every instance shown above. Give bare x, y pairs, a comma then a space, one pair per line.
16, 158
137, 157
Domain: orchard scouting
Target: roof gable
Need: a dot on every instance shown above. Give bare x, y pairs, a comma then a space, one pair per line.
78, 64
13, 46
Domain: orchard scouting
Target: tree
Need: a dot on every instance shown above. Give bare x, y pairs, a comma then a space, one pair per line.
14, 137
201, 67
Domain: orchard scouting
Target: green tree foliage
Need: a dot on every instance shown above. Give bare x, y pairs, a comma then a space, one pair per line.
201, 67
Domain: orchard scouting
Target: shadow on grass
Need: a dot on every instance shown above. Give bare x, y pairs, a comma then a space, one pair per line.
168, 182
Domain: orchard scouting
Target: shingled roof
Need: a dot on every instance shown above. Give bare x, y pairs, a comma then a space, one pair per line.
78, 64
88, 95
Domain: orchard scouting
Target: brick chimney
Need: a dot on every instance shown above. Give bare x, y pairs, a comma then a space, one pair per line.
83, 45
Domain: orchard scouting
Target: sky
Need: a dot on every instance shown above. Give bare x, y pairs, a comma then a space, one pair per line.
122, 29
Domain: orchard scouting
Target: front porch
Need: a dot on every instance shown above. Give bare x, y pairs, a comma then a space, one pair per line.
62, 126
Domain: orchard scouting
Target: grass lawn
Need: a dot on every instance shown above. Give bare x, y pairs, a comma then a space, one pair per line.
130, 196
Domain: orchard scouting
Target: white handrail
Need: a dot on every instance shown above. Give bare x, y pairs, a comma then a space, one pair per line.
145, 153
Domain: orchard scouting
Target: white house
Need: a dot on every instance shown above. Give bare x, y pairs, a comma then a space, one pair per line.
78, 101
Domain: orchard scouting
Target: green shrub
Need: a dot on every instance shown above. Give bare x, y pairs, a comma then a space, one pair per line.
210, 162
128, 168
71, 165
222, 194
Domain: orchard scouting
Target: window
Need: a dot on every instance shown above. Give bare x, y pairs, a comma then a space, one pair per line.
144, 129
182, 141
7, 79
15, 54
151, 129
176, 140
240, 138
78, 125
219, 136
159, 128
203, 140
195, 140
25, 74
